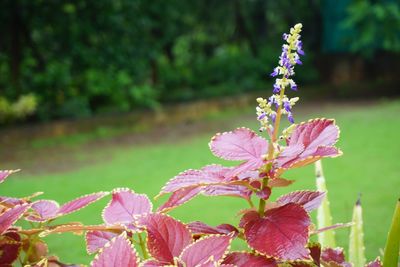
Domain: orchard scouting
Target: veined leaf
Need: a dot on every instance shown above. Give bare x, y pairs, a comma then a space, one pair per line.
244, 259
210, 249
310, 200
118, 252
282, 233
167, 237
334, 257
125, 205
240, 144
309, 142
96, 240
10, 216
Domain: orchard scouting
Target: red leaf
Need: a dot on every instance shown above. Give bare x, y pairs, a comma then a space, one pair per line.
376, 263
308, 143
264, 193
125, 205
241, 144
10, 247
249, 217
206, 250
179, 197
96, 240
282, 233
167, 237
118, 252
44, 210
334, 257
80, 203
310, 200
315, 252
10, 216
5, 173
200, 228
244, 259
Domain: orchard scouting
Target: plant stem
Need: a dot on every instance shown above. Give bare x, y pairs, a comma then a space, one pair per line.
143, 247
271, 150
391, 255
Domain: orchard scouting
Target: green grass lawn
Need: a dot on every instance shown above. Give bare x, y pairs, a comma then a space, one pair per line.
370, 165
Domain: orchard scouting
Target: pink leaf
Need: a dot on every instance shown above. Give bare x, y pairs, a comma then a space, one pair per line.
11, 201
5, 173
192, 178
200, 228
11, 215
309, 142
118, 252
44, 210
279, 182
154, 263
282, 233
167, 237
80, 203
211, 248
244, 259
334, 256
310, 200
315, 252
179, 197
241, 144
125, 205
96, 240
228, 190
376, 263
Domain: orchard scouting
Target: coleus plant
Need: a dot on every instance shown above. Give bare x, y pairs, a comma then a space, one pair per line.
133, 233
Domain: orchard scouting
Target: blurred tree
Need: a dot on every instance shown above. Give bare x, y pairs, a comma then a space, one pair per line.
84, 57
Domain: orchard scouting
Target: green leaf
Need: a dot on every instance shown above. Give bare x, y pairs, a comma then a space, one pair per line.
391, 255
324, 217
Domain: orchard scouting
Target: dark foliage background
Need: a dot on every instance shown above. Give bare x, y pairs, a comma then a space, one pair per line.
68, 59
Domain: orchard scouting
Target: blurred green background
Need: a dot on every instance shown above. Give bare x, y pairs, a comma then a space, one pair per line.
96, 95
70, 59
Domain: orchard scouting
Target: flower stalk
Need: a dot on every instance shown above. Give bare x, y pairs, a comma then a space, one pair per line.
279, 104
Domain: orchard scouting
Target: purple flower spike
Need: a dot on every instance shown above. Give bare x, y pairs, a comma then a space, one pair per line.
277, 88
262, 116
293, 86
290, 117
298, 61
285, 36
273, 117
286, 106
275, 72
